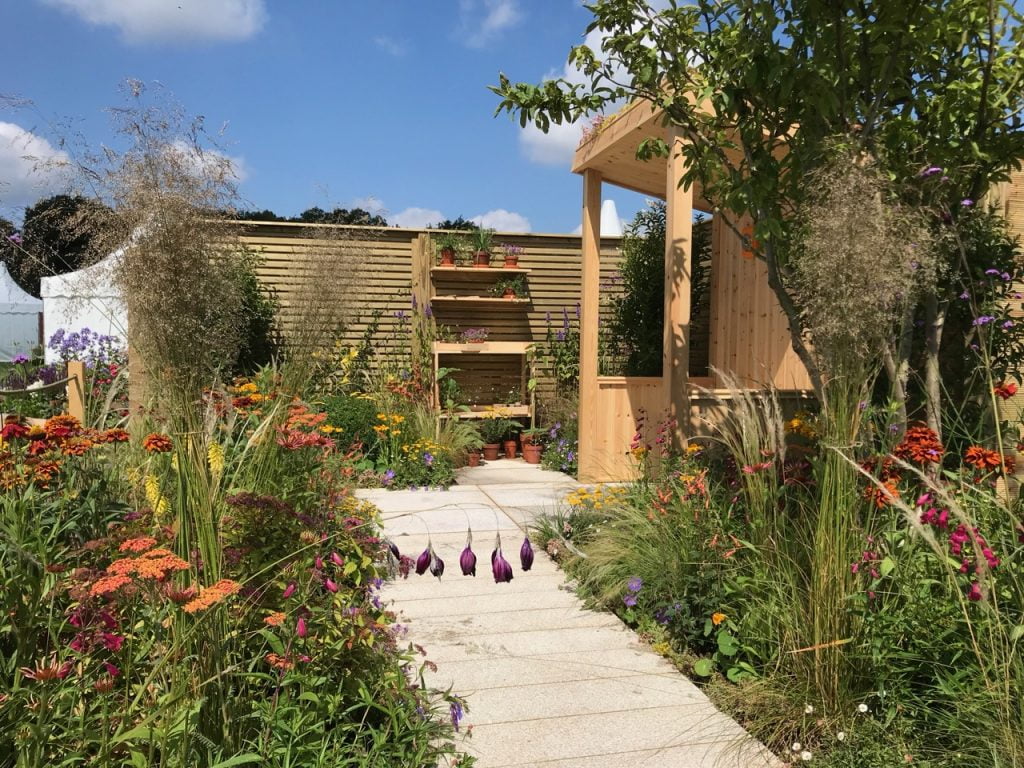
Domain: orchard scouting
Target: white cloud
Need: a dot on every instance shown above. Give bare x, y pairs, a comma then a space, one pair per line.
481, 21
30, 167
416, 218
177, 21
503, 221
390, 46
556, 147
210, 162
371, 204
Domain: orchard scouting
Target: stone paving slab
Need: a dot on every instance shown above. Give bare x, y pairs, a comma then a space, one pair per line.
548, 683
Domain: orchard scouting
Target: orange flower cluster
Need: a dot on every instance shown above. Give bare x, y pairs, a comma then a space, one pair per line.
275, 619
156, 564
982, 459
279, 662
157, 442
62, 427
1005, 389
76, 446
140, 544
110, 436
108, 584
302, 429
212, 595
920, 445
883, 496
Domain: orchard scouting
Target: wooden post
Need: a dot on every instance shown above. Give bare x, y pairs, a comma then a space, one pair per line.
591, 247
76, 390
678, 254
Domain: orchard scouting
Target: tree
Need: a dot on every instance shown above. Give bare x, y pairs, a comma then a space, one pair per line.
357, 216
459, 223
762, 90
59, 236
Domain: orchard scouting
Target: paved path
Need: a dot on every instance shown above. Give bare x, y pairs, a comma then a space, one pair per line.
548, 682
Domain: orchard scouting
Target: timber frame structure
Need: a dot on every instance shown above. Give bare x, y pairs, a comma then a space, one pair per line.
749, 334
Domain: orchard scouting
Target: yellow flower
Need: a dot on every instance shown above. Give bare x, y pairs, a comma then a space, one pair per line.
718, 618
156, 500
215, 457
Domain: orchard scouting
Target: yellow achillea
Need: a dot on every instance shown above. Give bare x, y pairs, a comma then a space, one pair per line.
215, 458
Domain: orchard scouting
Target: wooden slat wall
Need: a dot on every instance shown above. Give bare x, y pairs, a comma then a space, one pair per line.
749, 332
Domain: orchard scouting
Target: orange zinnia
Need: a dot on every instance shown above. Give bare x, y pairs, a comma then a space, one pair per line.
718, 618
157, 442
982, 459
274, 620
920, 445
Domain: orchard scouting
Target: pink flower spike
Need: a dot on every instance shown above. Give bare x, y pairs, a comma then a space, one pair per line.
111, 669
924, 500
300, 627
974, 593
330, 586
319, 563
289, 591
336, 559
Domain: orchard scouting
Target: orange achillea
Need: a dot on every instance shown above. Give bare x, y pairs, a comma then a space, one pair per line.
212, 595
274, 620
140, 544
108, 584
279, 662
157, 564
157, 442
983, 459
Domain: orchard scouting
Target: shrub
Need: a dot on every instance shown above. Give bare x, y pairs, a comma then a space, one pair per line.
354, 416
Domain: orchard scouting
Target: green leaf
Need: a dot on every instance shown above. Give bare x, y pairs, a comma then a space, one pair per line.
248, 757
886, 566
727, 644
704, 667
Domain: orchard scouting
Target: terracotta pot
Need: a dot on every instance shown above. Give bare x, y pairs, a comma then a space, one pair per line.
511, 262
509, 293
525, 440
510, 449
532, 453
447, 257
473, 459
491, 451
481, 259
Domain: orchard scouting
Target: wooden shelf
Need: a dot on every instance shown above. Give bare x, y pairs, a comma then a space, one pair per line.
487, 411
483, 348
471, 273
477, 300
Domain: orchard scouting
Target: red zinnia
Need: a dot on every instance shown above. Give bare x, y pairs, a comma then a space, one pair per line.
1006, 389
983, 459
920, 445
157, 443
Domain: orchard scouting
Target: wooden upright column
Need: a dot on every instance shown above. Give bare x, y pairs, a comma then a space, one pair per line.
678, 253
591, 247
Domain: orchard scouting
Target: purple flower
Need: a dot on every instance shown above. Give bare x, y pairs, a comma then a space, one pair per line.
526, 554
930, 171
500, 567
400, 314
428, 311
437, 567
635, 584
428, 459
388, 477
15, 238
330, 586
1008, 324
984, 320
629, 600
467, 561
394, 550
456, 714
19, 359
967, 202
991, 271
1004, 276
423, 561
965, 295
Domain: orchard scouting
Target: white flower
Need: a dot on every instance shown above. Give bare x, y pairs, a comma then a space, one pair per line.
796, 746
809, 709
37, 384
862, 708
806, 756
841, 736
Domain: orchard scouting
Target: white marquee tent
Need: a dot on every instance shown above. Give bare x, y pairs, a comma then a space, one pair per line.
19, 318
87, 298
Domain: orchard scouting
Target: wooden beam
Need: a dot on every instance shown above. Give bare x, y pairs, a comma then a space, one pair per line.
590, 307
76, 390
678, 258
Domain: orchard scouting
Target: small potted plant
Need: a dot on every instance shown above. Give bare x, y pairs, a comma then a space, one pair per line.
473, 447
512, 429
510, 287
474, 335
448, 246
512, 254
482, 247
533, 448
492, 430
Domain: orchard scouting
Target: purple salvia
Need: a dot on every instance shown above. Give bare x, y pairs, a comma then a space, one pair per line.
423, 561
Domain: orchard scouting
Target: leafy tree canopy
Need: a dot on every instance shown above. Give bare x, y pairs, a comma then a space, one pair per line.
458, 223
317, 215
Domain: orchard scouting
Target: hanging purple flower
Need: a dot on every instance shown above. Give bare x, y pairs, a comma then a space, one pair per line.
467, 560
526, 554
394, 550
423, 561
437, 567
967, 202
500, 567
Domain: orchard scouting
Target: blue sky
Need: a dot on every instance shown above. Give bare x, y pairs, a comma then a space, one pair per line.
332, 102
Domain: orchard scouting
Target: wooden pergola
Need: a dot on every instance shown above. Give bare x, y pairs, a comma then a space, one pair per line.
749, 335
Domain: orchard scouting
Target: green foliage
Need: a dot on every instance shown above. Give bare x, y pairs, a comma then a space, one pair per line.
516, 284
354, 416
458, 223
316, 215
481, 239
260, 338
562, 447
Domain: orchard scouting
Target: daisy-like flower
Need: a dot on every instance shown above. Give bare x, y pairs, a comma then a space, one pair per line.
157, 442
982, 459
862, 708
